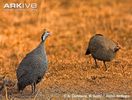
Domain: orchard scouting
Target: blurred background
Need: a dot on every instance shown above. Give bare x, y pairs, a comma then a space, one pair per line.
72, 23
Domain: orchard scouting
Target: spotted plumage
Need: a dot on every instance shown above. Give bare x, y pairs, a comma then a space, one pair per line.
102, 48
33, 66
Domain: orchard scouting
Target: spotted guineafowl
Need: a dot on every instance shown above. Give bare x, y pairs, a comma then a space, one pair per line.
33, 66
102, 48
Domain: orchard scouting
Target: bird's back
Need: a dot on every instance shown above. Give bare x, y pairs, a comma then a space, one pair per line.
102, 48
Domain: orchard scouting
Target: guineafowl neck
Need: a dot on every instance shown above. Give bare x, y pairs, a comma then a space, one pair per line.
42, 49
44, 38
42, 45
43, 41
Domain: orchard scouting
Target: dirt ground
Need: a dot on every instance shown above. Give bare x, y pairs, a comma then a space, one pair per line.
72, 23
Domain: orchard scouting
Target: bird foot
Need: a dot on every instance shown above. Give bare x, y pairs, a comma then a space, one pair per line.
34, 93
104, 68
95, 67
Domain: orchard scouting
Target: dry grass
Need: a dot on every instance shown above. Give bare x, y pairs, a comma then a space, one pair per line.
72, 23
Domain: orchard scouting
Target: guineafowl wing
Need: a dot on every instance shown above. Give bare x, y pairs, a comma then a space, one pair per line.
25, 66
32, 65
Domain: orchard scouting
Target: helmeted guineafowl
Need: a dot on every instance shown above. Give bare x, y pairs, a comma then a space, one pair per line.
102, 48
33, 66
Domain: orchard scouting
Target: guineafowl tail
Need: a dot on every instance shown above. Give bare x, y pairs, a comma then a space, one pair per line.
87, 52
20, 86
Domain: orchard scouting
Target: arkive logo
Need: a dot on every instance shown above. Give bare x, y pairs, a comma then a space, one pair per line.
20, 6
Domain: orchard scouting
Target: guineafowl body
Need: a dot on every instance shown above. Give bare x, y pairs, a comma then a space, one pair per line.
102, 48
33, 66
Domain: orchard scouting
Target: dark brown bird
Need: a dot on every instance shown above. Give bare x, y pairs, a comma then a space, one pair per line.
102, 48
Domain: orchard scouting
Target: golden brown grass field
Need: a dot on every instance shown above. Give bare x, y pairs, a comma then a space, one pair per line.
72, 23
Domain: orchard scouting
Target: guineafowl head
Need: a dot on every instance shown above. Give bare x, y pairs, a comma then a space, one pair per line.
45, 35
117, 48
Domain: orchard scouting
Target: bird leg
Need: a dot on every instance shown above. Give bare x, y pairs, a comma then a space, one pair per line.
96, 63
21, 92
33, 87
105, 66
